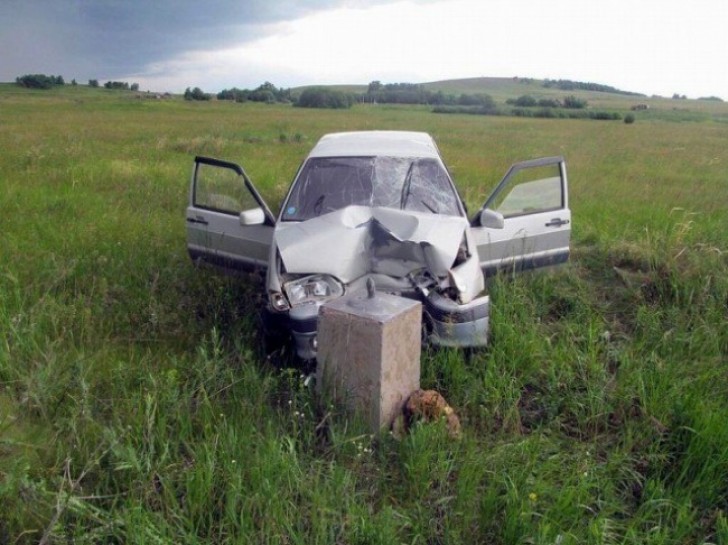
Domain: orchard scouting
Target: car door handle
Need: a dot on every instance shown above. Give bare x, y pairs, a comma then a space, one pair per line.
197, 220
557, 222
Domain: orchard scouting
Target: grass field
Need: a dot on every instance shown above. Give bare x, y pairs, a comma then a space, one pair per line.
136, 406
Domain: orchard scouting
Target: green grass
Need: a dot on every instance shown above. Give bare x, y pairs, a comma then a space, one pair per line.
136, 407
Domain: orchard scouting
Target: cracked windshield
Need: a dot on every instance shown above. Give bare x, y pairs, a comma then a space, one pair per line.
328, 184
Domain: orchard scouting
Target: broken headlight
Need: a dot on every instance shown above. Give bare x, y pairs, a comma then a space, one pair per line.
315, 288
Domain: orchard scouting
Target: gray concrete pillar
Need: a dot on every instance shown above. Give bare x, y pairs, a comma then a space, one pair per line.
369, 354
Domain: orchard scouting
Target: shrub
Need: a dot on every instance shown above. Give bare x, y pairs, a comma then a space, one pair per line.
549, 103
480, 99
605, 116
629, 119
524, 101
93, 83
574, 103
474, 110
547, 113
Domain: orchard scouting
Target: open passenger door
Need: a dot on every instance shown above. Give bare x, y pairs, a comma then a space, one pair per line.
526, 222
228, 223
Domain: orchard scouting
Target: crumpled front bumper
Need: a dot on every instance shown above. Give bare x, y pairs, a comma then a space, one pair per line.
445, 322
451, 324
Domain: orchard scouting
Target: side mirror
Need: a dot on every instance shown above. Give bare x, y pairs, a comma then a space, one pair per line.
491, 219
254, 216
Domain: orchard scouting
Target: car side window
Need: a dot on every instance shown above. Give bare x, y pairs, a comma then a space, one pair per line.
222, 190
530, 191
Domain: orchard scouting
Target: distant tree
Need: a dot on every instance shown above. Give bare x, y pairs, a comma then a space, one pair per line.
374, 86
322, 97
238, 95
678, 96
713, 98
93, 83
269, 93
60, 80
122, 85
134, 87
73, 82
196, 94
262, 95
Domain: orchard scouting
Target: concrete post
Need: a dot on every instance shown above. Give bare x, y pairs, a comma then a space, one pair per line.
369, 354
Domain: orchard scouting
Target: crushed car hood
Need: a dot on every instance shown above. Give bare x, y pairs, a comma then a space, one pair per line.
358, 240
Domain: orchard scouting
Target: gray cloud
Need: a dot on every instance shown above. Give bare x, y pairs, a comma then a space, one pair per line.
112, 38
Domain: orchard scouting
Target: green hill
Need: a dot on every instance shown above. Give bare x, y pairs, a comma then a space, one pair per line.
609, 98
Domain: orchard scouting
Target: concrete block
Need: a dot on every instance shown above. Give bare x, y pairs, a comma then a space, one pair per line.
369, 354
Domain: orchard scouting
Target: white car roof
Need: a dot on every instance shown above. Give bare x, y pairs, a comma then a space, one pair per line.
374, 143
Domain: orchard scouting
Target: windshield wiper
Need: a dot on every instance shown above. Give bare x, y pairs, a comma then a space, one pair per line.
318, 204
406, 187
428, 206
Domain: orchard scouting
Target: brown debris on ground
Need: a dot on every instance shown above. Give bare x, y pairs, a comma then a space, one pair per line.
430, 406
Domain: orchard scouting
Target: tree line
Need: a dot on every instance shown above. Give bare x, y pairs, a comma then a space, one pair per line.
39, 81
266, 92
378, 92
570, 85
43, 81
326, 97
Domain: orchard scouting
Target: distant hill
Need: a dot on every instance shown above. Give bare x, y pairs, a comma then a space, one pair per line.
600, 97
505, 88
516, 86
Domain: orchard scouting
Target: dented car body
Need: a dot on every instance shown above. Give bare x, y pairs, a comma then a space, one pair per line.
379, 205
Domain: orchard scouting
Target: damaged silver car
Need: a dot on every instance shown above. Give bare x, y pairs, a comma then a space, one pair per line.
379, 205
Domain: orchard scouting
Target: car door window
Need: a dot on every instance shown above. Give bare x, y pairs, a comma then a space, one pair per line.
216, 233
529, 191
221, 190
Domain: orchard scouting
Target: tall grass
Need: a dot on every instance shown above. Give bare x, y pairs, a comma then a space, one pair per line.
135, 405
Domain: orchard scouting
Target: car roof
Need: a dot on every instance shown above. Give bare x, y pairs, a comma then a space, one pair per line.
374, 143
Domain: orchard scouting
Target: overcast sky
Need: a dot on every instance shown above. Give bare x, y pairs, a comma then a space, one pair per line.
654, 47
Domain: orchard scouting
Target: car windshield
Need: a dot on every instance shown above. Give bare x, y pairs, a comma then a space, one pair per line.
326, 184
